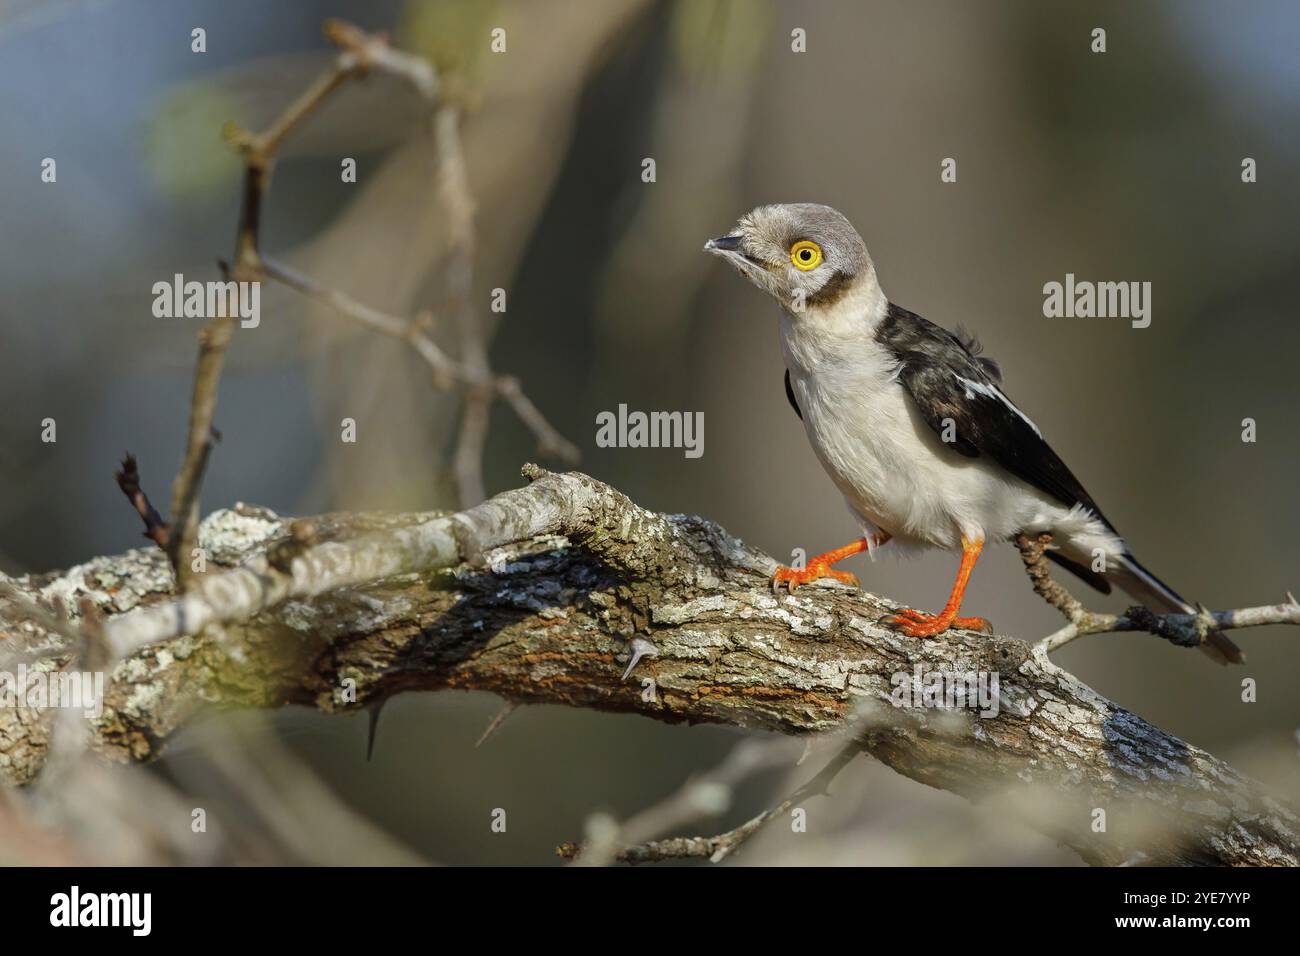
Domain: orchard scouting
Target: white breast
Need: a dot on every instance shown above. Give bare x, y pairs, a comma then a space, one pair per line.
894, 471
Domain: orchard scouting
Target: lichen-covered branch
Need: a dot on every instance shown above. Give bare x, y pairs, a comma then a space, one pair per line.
538, 595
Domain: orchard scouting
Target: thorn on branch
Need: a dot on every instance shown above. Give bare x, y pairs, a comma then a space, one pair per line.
640, 648
508, 708
373, 710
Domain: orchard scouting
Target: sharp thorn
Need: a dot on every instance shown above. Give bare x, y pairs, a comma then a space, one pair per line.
807, 752
495, 723
640, 648
375, 708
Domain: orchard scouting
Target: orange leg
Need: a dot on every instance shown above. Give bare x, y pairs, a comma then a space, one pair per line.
820, 566
918, 624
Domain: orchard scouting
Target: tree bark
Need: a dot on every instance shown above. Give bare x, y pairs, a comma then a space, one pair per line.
540, 599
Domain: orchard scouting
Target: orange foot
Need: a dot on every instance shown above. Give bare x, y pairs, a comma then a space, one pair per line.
919, 624
793, 577
820, 566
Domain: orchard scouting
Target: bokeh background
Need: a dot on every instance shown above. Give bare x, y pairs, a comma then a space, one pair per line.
1117, 166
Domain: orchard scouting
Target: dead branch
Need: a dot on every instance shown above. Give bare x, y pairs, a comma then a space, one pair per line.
539, 594
360, 54
472, 373
1184, 630
214, 338
446, 371
458, 208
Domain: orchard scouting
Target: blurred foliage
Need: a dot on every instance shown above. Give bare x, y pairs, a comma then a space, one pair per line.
453, 34
722, 40
183, 150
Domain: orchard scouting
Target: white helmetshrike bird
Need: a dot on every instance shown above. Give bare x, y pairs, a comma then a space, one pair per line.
913, 426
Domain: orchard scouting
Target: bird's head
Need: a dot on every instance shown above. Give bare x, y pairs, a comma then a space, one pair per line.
804, 255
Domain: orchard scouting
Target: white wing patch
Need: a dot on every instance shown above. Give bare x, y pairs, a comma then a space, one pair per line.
992, 391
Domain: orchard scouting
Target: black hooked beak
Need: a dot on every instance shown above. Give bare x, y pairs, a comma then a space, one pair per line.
723, 244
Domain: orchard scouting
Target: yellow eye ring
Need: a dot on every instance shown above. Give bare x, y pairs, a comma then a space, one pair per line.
806, 255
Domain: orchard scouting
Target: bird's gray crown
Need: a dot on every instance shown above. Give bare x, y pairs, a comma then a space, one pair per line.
805, 255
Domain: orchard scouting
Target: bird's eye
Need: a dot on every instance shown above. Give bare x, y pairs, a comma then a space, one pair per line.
806, 255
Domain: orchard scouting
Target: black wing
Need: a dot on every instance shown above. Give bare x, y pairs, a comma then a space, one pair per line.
789, 394
959, 395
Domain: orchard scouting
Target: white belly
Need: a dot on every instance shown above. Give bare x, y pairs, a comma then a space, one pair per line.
898, 476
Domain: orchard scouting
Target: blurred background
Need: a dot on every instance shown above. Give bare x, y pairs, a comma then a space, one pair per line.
1117, 166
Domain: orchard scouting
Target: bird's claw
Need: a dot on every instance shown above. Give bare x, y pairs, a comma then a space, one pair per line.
792, 578
919, 624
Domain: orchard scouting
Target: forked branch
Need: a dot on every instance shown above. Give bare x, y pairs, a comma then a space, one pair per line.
359, 55
1185, 630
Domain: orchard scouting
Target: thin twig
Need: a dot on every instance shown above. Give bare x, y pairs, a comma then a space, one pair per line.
717, 848
447, 372
1185, 630
213, 340
707, 795
128, 479
467, 462
458, 209
360, 53
550, 443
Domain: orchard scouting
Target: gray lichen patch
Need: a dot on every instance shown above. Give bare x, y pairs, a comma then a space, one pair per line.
232, 534
113, 584
695, 644
144, 699
693, 609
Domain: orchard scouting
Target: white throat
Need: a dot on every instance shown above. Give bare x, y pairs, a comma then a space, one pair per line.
825, 334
